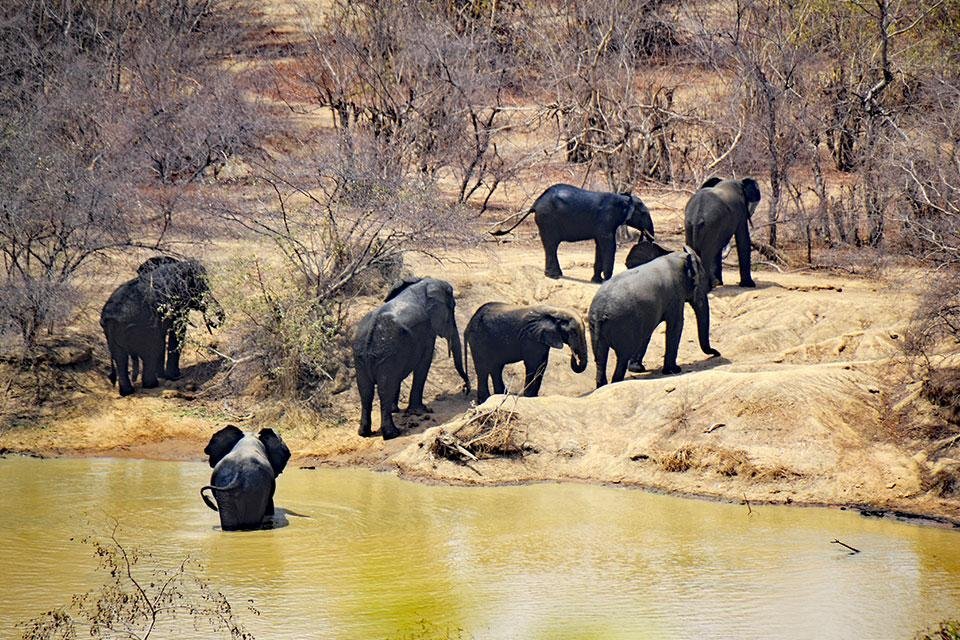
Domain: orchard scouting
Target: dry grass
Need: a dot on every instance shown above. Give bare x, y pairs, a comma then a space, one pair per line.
726, 462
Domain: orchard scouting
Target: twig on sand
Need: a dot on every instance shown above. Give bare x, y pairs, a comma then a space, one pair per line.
747, 502
853, 551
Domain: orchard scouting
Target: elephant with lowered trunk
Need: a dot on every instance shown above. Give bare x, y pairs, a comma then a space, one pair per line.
628, 307
397, 339
500, 333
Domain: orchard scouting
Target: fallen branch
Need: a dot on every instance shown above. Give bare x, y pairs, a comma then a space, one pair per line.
853, 551
769, 252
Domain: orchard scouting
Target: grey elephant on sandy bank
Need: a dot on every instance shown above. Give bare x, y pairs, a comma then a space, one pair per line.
244, 478
500, 333
565, 213
718, 211
145, 319
628, 307
398, 339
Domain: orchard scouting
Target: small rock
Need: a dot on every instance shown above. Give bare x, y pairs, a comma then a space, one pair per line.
639, 456
873, 390
891, 485
67, 356
670, 389
894, 336
176, 393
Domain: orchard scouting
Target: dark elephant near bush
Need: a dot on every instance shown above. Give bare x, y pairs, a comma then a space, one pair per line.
244, 478
719, 211
145, 320
565, 213
398, 339
627, 309
500, 333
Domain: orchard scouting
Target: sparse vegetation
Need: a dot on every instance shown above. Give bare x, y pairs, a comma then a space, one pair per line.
139, 599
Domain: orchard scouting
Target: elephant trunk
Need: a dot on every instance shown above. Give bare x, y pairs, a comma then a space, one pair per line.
701, 308
578, 345
453, 343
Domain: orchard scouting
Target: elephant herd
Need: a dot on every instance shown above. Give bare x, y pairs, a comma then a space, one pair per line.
397, 339
145, 321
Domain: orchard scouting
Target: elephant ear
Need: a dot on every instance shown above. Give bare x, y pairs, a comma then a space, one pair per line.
222, 443
711, 182
277, 452
751, 190
400, 287
545, 331
440, 306
692, 268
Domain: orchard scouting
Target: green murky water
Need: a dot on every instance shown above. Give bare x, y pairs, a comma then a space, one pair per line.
378, 556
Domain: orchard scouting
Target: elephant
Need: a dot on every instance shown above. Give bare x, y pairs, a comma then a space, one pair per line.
397, 339
145, 319
244, 478
627, 308
643, 252
500, 333
565, 213
718, 211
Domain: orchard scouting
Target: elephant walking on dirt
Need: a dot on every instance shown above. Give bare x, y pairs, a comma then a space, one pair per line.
244, 478
398, 339
565, 213
627, 309
500, 333
719, 211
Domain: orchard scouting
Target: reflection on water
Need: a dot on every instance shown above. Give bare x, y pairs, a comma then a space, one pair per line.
377, 556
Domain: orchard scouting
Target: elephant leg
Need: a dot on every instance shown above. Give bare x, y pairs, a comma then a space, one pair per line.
600, 352
120, 365
389, 391
552, 266
620, 370
497, 374
174, 346
366, 387
636, 361
718, 268
533, 378
743, 255
152, 364
420, 371
483, 383
605, 255
674, 331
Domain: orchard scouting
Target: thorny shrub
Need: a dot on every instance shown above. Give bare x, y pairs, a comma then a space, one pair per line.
139, 597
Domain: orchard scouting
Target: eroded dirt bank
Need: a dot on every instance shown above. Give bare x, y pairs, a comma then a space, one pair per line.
811, 402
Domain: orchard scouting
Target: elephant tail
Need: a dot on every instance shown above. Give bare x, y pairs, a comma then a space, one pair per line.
233, 483
501, 232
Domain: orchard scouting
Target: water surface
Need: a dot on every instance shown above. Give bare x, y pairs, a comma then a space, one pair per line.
381, 557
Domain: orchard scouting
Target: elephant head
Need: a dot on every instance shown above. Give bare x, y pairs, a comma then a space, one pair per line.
643, 252
440, 305
555, 328
223, 441
697, 285
750, 188
638, 216
181, 286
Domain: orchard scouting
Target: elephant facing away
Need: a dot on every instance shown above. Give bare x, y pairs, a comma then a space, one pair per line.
627, 309
500, 333
398, 339
145, 320
719, 211
244, 478
565, 213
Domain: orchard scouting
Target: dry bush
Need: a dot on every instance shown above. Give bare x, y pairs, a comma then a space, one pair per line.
491, 434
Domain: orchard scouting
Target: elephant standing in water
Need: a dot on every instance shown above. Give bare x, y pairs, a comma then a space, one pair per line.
244, 478
720, 210
500, 333
398, 339
565, 213
145, 319
627, 309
